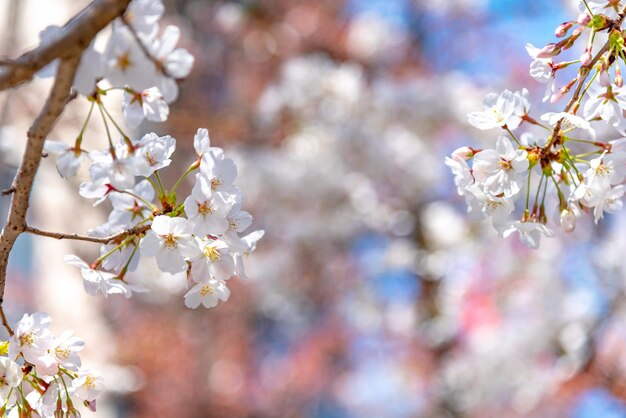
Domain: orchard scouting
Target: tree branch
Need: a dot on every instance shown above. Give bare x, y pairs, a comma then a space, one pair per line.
105, 240
23, 181
77, 35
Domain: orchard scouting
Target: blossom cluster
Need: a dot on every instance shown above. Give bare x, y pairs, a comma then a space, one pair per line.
199, 235
41, 374
558, 157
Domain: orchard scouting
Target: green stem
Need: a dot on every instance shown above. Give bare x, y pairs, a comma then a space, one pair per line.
513, 136
125, 269
538, 189
156, 174
191, 168
150, 205
79, 139
528, 189
106, 127
126, 138
588, 8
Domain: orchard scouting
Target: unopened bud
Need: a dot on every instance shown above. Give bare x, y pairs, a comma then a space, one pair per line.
585, 59
605, 78
548, 51
619, 81
567, 220
584, 19
562, 91
562, 29
465, 153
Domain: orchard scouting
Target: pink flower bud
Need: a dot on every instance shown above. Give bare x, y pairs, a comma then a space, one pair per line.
619, 81
464, 153
568, 220
585, 59
548, 51
605, 78
562, 29
558, 95
584, 19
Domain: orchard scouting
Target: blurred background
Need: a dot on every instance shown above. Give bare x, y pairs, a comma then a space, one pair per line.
372, 293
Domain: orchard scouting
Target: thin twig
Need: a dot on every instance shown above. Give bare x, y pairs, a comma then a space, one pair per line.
5, 322
8, 191
104, 240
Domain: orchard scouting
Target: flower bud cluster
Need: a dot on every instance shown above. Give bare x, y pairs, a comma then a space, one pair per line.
558, 157
41, 374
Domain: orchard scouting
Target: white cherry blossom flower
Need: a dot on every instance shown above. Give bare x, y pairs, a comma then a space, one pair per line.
202, 142
207, 210
246, 247
88, 385
146, 104
542, 70
529, 232
32, 338
69, 158
501, 170
220, 171
215, 261
144, 16
10, 378
499, 111
569, 120
129, 209
207, 292
238, 221
463, 176
170, 241
177, 62
606, 102
153, 153
485, 206
65, 350
125, 64
95, 281
610, 201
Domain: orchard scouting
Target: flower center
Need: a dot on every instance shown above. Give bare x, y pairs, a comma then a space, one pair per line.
205, 208
212, 253
215, 183
27, 339
151, 159
170, 241
62, 352
505, 164
206, 290
233, 224
90, 382
123, 61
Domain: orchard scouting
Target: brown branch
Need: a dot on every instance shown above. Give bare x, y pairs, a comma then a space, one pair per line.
104, 240
5, 322
77, 35
23, 181
7, 192
582, 80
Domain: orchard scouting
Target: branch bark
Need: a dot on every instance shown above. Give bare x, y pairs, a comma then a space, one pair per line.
104, 240
23, 181
77, 35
